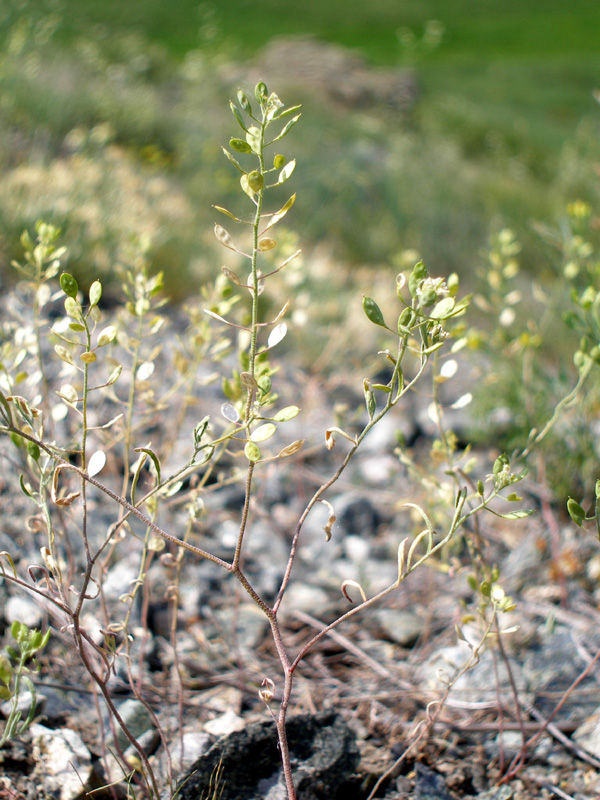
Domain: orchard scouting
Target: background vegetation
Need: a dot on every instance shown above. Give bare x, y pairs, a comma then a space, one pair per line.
104, 131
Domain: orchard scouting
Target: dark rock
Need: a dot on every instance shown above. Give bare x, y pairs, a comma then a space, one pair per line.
323, 751
429, 785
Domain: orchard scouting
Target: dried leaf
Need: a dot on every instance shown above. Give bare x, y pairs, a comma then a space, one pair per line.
356, 585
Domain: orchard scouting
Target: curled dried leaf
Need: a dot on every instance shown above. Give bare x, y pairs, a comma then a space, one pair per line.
331, 520
356, 585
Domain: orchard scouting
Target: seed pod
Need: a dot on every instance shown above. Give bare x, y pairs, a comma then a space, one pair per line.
240, 146
244, 102
261, 92
255, 180
278, 161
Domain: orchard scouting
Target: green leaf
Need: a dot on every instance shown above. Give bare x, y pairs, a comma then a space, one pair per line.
286, 112
512, 514
5, 410
286, 129
234, 161
154, 458
576, 512
69, 285
373, 312
24, 488
227, 213
33, 450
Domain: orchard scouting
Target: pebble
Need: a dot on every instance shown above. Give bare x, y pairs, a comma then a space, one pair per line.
63, 763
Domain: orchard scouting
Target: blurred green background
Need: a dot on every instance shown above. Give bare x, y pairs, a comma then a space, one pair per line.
112, 116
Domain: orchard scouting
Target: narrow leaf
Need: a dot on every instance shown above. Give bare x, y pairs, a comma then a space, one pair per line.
236, 113
285, 130
228, 213
153, 457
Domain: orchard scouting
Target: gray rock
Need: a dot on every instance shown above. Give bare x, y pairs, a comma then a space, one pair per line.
185, 751
402, 627
137, 718
429, 785
323, 750
22, 608
63, 764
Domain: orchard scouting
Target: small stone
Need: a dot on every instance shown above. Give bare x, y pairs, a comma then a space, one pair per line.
63, 763
24, 704
225, 724
587, 734
402, 627
187, 749
137, 718
24, 610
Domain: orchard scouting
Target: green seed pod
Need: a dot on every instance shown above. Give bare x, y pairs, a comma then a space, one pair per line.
405, 320
418, 274
279, 161
69, 285
264, 384
240, 146
595, 354
428, 298
255, 180
244, 102
261, 92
